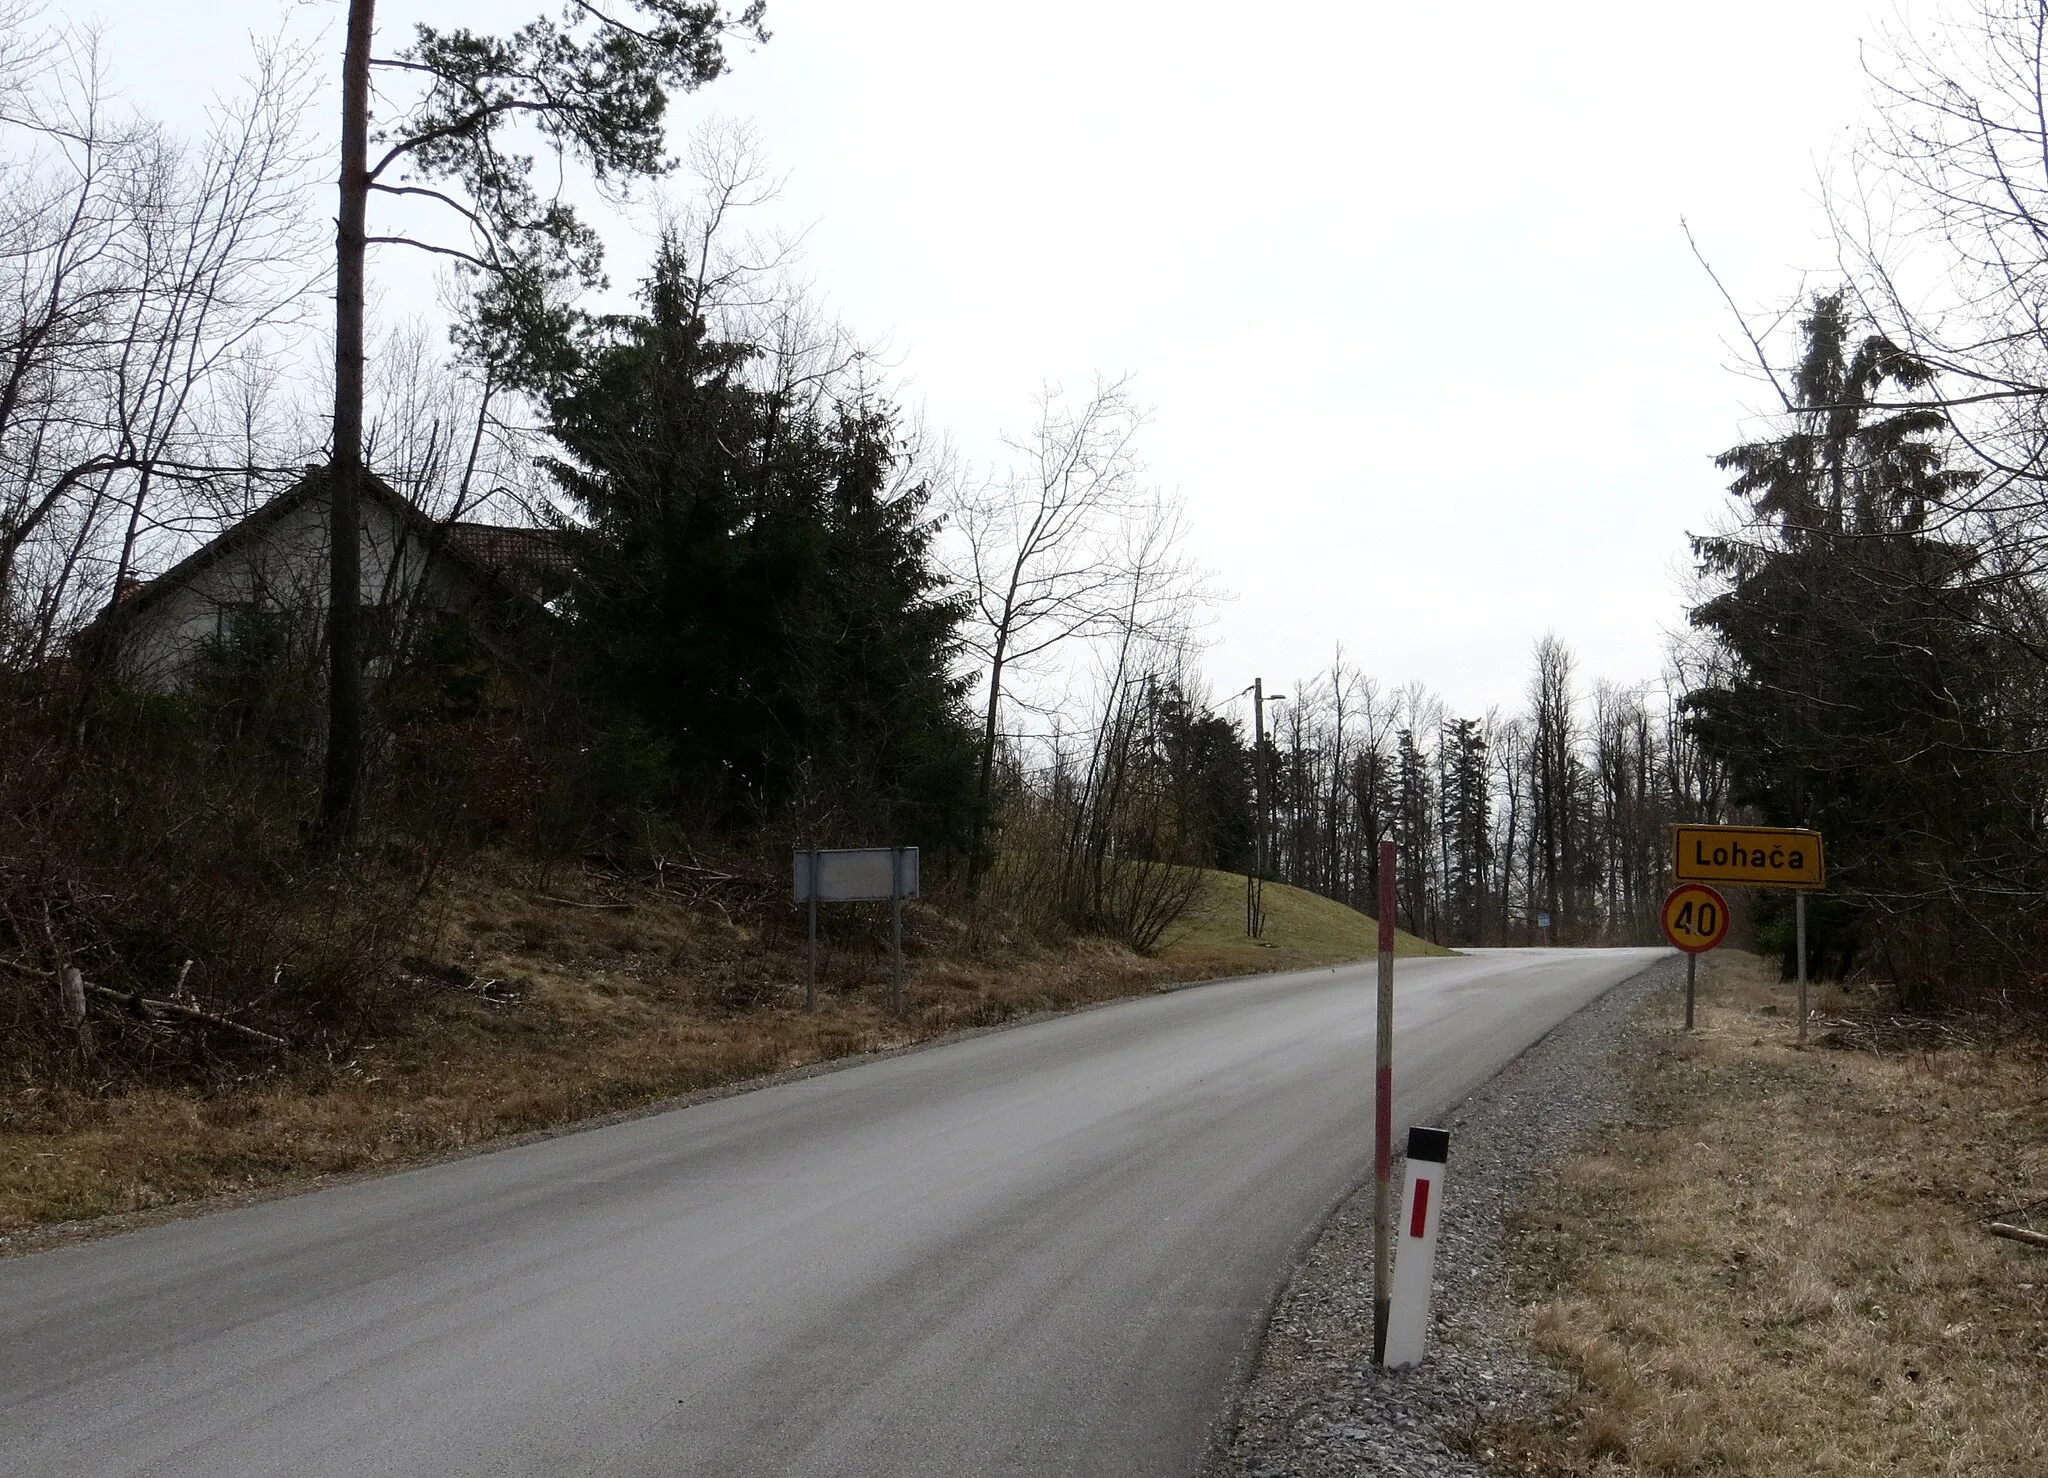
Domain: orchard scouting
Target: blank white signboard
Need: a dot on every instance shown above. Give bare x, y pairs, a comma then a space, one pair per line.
856, 874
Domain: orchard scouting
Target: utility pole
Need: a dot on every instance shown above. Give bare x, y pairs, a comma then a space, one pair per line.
1255, 885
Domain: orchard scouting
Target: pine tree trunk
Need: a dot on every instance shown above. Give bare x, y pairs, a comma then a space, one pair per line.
344, 764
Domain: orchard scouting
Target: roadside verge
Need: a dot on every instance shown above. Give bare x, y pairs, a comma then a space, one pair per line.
1315, 1407
1670, 1254
528, 1013
1779, 1264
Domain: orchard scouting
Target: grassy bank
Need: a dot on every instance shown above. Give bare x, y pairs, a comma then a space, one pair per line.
1302, 930
537, 1008
1781, 1268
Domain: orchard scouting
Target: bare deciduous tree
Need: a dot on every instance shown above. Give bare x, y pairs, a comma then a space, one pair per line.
137, 276
1068, 544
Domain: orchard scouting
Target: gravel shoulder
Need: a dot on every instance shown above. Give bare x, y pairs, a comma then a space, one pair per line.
1315, 1405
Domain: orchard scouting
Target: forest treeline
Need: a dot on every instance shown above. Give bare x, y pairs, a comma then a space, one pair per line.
1866, 652
1561, 809
786, 615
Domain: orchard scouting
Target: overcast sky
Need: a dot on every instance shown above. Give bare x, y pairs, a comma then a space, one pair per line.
1432, 364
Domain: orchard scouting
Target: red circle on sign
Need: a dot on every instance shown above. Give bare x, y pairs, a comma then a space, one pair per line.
1695, 918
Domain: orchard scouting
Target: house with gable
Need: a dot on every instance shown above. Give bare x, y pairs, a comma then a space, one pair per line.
269, 572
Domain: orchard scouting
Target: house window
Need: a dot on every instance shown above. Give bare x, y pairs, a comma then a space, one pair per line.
233, 620
376, 631
248, 636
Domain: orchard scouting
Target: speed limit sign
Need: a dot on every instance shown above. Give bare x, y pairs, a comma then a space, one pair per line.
1695, 918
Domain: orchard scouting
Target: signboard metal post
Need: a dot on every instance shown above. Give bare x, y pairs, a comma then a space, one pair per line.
1383, 1116
1799, 914
896, 931
811, 963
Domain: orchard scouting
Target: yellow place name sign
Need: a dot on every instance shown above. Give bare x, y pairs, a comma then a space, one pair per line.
1760, 856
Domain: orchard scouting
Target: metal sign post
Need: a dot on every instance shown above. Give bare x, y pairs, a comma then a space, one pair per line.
1799, 915
1383, 1116
896, 931
811, 962
859, 875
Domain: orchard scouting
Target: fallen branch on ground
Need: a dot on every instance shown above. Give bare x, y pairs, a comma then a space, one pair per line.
146, 1003
193, 1013
2018, 1234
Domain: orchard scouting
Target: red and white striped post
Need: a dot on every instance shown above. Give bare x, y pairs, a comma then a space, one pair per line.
1383, 1115
1415, 1269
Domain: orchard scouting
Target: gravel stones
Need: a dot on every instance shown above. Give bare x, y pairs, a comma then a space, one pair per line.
1315, 1407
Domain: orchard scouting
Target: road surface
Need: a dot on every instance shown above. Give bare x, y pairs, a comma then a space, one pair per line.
1037, 1251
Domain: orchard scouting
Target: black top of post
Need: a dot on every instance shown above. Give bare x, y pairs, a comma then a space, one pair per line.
1429, 1144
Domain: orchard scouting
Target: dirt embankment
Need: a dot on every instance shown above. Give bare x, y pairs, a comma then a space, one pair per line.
531, 1006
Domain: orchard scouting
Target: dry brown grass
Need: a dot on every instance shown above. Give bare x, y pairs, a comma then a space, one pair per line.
1780, 1268
588, 1010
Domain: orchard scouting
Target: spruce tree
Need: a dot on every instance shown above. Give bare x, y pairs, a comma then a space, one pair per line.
749, 587
1864, 694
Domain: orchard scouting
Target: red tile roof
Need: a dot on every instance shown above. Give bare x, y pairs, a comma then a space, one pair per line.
498, 547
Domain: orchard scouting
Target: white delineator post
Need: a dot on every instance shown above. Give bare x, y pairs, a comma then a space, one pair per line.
1422, 1209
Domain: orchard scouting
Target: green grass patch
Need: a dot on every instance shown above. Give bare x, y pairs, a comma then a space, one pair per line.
1302, 930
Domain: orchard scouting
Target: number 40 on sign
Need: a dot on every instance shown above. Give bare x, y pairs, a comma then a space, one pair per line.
1695, 918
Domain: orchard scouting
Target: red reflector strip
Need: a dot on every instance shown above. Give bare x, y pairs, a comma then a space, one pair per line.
1421, 1216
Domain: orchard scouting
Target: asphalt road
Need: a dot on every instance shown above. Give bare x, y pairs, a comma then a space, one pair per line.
1037, 1251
